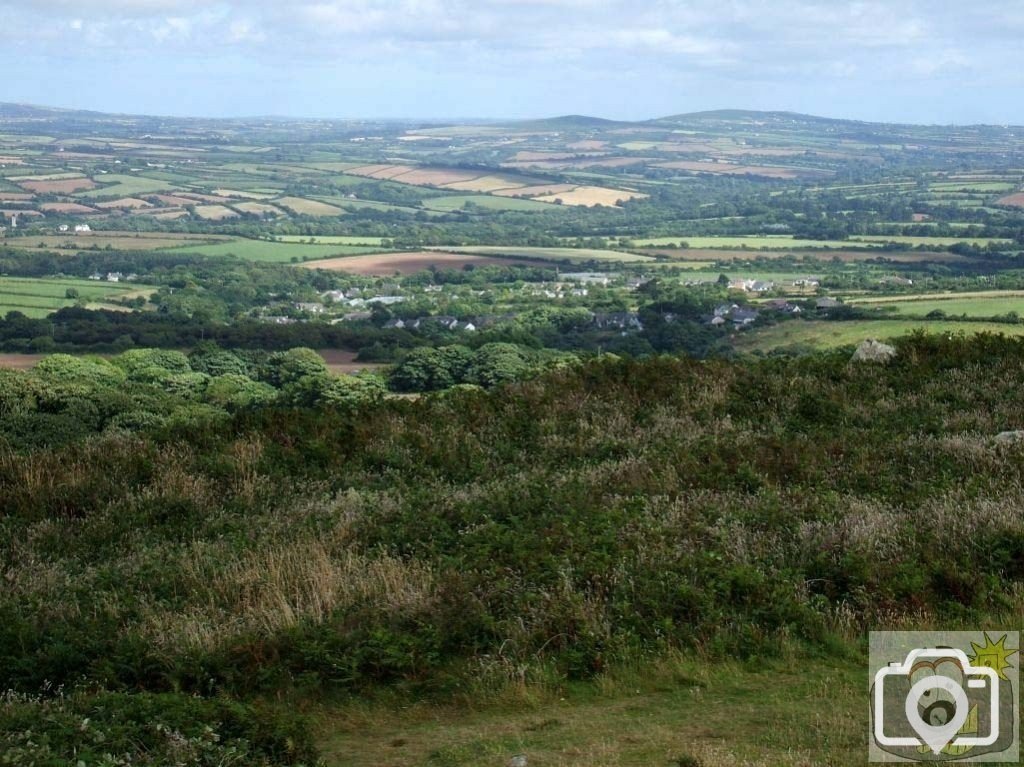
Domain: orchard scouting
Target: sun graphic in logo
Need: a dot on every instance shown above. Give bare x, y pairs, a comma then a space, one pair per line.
994, 655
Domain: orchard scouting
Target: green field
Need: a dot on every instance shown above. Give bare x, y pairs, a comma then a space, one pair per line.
101, 241
489, 202
345, 202
738, 274
39, 297
274, 252
333, 240
937, 242
977, 306
770, 242
117, 185
551, 254
823, 334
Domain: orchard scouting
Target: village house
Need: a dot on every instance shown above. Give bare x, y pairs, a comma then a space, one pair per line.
751, 286
589, 278
744, 317
737, 315
783, 306
806, 282
896, 280
82, 228
618, 320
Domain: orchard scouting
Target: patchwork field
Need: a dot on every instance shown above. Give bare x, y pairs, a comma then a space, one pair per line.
763, 171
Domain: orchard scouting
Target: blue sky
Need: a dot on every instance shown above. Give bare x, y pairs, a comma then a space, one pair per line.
933, 61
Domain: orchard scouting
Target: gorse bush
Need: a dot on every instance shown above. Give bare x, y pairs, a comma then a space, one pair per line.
166, 730
65, 398
601, 513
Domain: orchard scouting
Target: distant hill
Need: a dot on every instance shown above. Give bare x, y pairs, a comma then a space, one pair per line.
32, 111
742, 115
569, 122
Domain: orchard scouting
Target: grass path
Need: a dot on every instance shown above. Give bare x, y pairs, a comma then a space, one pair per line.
782, 714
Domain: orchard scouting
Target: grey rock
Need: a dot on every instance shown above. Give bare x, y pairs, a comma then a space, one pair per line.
874, 351
1009, 437
519, 760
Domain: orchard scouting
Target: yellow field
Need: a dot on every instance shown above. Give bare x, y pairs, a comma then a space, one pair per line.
67, 208
486, 184
535, 191
258, 208
214, 212
242, 194
592, 195
433, 176
125, 203
304, 207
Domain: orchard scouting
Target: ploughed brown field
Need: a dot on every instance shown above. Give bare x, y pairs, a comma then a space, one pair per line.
341, 362
1016, 200
384, 264
19, 361
59, 186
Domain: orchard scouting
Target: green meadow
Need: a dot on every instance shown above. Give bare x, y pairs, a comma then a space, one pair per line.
275, 252
40, 297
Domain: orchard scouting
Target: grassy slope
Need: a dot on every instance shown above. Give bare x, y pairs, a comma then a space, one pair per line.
276, 252
772, 713
39, 297
972, 306
823, 334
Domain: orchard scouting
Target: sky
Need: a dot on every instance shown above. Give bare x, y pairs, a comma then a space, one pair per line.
923, 61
